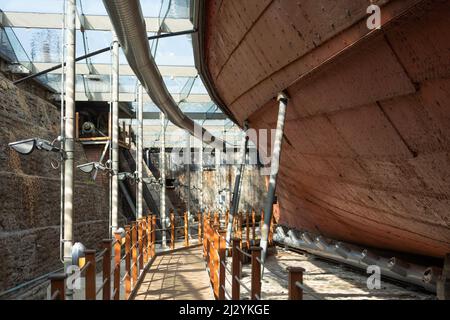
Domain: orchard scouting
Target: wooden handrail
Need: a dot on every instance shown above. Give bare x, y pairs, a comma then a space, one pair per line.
236, 268
90, 292
127, 262
106, 274
172, 227
295, 275
57, 286
186, 230
134, 254
117, 259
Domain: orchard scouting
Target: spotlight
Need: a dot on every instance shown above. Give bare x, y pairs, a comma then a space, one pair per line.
27, 146
89, 167
121, 176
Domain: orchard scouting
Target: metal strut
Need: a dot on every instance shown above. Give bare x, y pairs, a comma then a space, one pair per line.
274, 167
237, 185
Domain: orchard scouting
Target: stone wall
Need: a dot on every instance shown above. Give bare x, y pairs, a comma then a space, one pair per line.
221, 181
30, 192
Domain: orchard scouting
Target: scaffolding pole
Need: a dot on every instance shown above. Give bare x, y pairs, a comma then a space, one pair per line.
162, 170
140, 150
69, 136
115, 137
188, 177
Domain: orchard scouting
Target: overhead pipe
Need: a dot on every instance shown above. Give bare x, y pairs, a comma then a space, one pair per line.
129, 25
140, 152
352, 255
274, 167
69, 138
237, 185
114, 136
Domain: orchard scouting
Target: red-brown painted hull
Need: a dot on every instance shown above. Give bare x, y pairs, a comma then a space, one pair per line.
366, 157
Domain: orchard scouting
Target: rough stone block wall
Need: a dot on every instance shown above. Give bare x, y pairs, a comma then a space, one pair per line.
253, 190
30, 192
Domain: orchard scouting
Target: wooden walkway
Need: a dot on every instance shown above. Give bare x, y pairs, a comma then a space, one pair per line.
180, 275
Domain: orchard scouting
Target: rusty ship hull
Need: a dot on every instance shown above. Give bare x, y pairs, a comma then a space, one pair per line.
367, 137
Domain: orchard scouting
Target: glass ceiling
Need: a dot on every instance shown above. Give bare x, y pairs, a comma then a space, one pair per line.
38, 48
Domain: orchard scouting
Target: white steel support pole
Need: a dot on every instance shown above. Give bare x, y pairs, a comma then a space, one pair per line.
188, 161
274, 167
115, 137
201, 177
69, 136
140, 151
162, 170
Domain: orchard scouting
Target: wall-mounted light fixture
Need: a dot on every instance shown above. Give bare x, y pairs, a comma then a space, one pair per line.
27, 146
121, 176
91, 166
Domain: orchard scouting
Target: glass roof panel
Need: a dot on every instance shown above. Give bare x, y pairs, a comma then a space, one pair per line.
43, 46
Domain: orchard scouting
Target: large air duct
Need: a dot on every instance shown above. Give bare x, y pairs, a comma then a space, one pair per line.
129, 25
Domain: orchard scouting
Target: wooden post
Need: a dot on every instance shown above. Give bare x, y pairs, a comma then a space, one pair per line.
205, 238
199, 227
144, 240
272, 223
149, 236
261, 222
134, 254
227, 218
127, 262
58, 286
247, 229
107, 269
256, 273
208, 246
216, 261
140, 246
253, 225
153, 236
186, 230
222, 271
216, 218
295, 275
77, 125
172, 227
117, 258
235, 268
90, 292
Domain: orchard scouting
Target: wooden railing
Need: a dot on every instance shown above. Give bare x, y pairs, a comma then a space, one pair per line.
216, 253
136, 247
219, 256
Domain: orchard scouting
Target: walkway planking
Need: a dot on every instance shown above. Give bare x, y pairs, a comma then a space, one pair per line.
179, 275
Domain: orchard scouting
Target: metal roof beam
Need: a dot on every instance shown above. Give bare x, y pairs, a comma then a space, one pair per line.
90, 22
124, 69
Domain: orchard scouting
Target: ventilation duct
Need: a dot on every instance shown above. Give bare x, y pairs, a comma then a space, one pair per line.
129, 25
